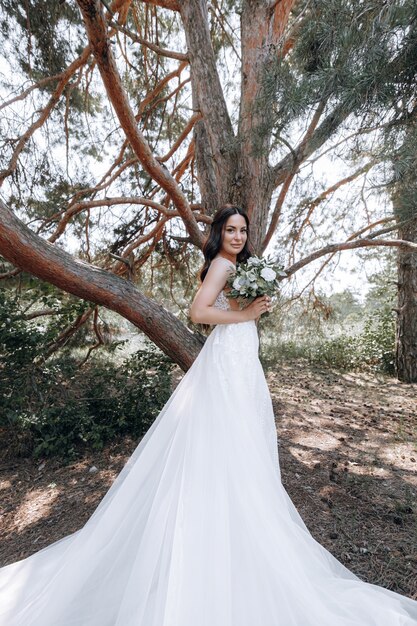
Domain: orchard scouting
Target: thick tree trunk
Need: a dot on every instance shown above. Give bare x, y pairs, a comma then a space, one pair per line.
262, 27
229, 169
216, 146
25, 249
406, 344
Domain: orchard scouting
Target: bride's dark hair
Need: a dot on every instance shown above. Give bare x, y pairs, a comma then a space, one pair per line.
213, 243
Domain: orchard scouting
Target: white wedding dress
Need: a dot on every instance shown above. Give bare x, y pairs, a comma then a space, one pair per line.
198, 530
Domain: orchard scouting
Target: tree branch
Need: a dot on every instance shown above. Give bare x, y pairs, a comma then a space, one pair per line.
100, 339
100, 45
359, 243
311, 206
41, 83
89, 204
67, 333
25, 249
186, 131
161, 51
277, 210
396, 226
322, 133
287, 183
10, 274
45, 112
42, 313
173, 5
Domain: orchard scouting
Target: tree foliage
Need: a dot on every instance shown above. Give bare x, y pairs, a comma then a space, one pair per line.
127, 125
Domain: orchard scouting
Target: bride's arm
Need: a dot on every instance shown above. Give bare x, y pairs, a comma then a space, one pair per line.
202, 310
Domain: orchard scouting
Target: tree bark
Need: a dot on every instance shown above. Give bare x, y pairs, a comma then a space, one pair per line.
406, 339
262, 27
173, 5
216, 147
25, 249
235, 170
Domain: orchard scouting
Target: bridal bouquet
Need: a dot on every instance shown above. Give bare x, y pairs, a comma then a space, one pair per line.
258, 276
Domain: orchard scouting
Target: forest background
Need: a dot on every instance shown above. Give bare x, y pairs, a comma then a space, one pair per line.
124, 126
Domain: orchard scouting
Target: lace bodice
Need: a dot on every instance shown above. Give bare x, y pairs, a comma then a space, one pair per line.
222, 301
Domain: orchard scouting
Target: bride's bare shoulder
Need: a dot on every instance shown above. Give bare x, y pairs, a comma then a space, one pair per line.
219, 271
225, 261
222, 265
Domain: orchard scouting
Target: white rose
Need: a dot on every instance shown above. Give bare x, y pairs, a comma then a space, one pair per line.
268, 274
236, 283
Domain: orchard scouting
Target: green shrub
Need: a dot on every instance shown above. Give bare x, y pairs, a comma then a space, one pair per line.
340, 352
83, 407
377, 341
146, 386
54, 407
373, 348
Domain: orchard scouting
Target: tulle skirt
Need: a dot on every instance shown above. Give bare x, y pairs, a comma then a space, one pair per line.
197, 529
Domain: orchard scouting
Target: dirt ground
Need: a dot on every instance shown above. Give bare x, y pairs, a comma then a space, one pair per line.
348, 456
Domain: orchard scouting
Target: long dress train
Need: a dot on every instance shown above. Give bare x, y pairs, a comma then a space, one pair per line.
197, 529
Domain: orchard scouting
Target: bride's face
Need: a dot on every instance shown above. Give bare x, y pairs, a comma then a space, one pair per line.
235, 234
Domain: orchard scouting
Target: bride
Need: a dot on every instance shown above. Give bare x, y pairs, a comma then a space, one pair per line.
197, 529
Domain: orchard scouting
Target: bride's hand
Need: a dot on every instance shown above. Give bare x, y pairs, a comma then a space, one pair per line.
257, 307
